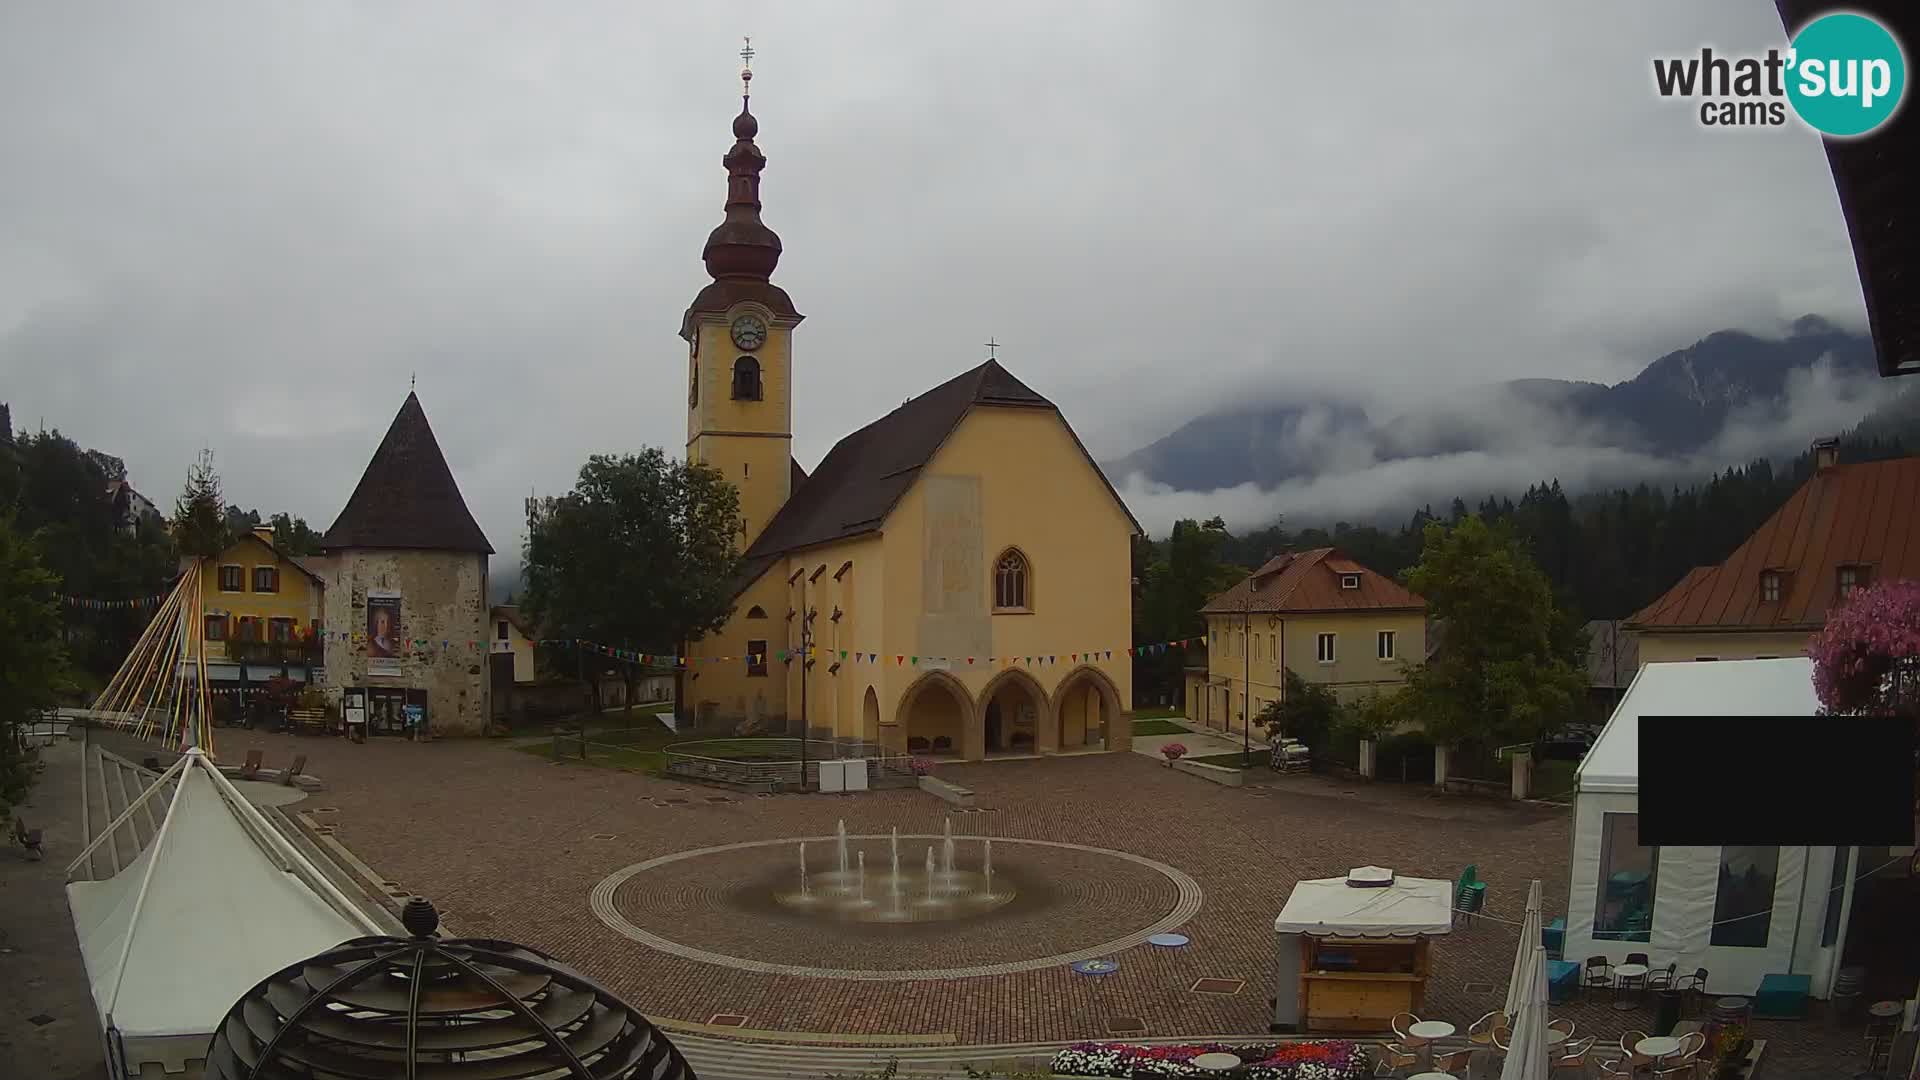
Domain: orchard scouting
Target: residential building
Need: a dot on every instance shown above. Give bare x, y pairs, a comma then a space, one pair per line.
960, 568
1318, 614
405, 566
1847, 526
512, 639
1613, 658
261, 614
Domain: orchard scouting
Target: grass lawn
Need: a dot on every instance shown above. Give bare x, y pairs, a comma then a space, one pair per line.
643, 747
1552, 778
1158, 727
1157, 714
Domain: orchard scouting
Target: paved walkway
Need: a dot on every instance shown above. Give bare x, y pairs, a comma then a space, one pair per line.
47, 1024
1198, 741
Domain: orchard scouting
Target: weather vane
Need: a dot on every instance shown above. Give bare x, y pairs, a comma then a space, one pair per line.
413, 377
991, 346
746, 65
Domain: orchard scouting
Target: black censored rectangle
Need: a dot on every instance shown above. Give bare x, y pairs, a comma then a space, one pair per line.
1708, 781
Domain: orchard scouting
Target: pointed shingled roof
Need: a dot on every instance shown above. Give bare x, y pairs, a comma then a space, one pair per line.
407, 498
860, 480
1308, 582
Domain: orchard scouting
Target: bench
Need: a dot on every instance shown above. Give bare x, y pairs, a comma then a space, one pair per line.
1782, 997
28, 838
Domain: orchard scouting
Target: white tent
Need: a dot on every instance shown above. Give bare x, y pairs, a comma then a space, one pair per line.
218, 901
1662, 901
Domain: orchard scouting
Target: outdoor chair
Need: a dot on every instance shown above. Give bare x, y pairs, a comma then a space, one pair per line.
1615, 1066
1480, 1032
1573, 1055
1692, 988
942, 744
299, 763
1662, 979
28, 839
917, 745
1400, 1024
1628, 1041
1638, 958
1598, 975
1460, 1061
251, 770
1564, 1026
1393, 1058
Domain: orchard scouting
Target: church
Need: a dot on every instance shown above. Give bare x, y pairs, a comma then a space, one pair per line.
952, 580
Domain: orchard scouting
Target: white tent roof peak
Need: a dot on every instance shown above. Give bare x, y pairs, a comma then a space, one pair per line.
217, 901
1781, 687
1329, 907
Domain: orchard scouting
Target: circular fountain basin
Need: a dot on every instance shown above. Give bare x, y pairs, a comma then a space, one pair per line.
909, 897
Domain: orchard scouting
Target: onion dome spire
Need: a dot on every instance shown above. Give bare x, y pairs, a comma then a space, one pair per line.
742, 246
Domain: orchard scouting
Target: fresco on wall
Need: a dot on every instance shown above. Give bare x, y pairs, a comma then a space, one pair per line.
954, 620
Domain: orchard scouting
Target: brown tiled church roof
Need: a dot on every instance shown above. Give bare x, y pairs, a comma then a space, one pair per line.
1875, 177
864, 476
1865, 515
1309, 582
407, 498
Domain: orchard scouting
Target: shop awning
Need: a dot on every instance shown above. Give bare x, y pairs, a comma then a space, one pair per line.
1329, 907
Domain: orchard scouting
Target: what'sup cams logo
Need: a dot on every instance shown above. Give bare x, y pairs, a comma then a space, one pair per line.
1843, 75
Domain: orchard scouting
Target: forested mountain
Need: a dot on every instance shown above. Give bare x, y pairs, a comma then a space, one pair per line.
1611, 553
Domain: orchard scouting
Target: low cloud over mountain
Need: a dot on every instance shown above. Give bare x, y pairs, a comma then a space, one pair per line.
1724, 400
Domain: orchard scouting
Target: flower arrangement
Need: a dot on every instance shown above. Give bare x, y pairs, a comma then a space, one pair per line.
920, 766
1174, 752
1329, 1059
1859, 651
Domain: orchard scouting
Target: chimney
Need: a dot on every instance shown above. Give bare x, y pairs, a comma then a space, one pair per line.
264, 533
1826, 454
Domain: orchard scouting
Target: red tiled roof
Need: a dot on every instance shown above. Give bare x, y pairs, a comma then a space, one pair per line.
1309, 581
1845, 515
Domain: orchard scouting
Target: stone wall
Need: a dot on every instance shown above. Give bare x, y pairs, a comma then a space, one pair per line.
443, 599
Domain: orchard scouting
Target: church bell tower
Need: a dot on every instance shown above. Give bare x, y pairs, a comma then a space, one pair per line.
739, 335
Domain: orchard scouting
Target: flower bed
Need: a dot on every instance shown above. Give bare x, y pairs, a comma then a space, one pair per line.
1320, 1059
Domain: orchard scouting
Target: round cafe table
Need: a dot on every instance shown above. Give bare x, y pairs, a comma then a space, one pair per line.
1657, 1046
1555, 1037
1628, 971
1217, 1062
1885, 1009
1425, 1032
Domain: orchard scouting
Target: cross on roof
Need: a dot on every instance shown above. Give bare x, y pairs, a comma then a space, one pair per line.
991, 346
746, 53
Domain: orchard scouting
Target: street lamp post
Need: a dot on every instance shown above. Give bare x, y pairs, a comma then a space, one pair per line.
1246, 682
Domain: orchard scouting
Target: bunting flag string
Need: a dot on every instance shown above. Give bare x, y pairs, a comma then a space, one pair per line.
85, 603
900, 660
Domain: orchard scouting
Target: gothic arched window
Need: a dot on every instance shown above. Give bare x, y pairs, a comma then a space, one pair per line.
746, 379
1011, 582
756, 612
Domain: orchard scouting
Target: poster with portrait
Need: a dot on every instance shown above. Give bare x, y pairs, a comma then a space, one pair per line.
384, 643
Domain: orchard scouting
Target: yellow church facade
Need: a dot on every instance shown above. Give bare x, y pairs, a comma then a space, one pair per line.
953, 579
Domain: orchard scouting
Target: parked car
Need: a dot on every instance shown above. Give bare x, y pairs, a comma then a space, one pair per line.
1569, 745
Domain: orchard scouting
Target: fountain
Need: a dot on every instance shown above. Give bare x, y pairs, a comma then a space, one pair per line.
940, 891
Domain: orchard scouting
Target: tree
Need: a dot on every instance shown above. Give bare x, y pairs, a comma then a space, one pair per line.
1308, 712
293, 536
641, 553
1513, 666
200, 524
1177, 578
32, 655
1863, 658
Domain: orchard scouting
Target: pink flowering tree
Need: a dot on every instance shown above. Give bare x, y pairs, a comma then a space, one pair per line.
1863, 657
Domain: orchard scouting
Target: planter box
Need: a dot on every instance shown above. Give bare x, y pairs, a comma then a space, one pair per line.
953, 793
1219, 774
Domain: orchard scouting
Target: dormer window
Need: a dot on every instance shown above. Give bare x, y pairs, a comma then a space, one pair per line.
746, 379
1349, 581
1852, 579
1770, 586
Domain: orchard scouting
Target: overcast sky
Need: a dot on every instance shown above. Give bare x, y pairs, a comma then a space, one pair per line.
245, 226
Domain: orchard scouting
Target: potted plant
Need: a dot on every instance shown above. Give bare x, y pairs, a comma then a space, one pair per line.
1729, 1051
1173, 752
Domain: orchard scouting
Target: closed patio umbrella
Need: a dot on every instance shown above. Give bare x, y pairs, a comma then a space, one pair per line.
1529, 940
1527, 1053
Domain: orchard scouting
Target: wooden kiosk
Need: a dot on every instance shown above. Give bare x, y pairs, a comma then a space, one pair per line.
1353, 950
